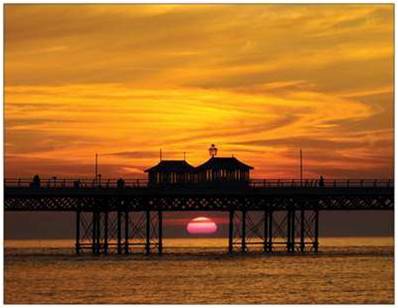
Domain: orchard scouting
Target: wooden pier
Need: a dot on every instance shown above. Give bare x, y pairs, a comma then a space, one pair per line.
275, 215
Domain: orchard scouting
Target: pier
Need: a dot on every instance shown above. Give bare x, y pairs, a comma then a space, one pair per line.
125, 217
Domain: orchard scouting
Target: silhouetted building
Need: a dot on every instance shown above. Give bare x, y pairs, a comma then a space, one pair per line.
171, 172
217, 170
223, 169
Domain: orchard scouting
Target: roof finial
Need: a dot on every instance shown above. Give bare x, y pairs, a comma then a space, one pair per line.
160, 154
213, 150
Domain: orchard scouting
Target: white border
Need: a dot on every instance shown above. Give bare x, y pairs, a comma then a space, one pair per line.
188, 2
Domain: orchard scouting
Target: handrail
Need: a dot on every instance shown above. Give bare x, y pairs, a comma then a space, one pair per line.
136, 183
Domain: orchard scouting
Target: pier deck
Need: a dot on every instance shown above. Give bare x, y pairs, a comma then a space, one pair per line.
120, 219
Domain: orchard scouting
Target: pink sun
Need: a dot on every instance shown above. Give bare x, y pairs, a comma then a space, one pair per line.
201, 225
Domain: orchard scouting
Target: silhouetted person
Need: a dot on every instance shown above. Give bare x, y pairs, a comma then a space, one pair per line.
321, 182
120, 183
76, 184
35, 182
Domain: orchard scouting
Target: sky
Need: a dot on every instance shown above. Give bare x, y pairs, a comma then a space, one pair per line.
259, 81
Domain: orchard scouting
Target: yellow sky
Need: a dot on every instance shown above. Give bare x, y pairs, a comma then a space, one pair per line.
259, 81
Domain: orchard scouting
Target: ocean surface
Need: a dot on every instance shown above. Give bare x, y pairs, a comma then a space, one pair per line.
197, 271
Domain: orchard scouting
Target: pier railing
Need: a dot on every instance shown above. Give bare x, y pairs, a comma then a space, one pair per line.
343, 183
142, 183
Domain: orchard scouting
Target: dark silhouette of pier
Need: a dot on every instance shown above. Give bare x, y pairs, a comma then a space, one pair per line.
124, 216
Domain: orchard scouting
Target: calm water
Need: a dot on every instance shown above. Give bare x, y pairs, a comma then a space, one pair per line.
349, 270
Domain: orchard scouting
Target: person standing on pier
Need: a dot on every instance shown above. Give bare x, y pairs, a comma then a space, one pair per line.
321, 181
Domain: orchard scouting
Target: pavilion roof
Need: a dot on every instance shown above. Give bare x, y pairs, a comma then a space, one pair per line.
171, 166
229, 163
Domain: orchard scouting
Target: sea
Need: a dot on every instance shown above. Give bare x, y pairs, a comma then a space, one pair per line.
347, 270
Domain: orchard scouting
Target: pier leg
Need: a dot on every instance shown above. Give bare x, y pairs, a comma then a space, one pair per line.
98, 233
289, 230
231, 232
126, 232
119, 232
265, 231
293, 230
270, 232
105, 233
160, 232
94, 236
148, 233
302, 230
243, 247
77, 246
316, 231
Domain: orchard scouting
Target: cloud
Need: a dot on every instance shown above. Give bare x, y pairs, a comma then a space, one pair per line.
127, 80
142, 154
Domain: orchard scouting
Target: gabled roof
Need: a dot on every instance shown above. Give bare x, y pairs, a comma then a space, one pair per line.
230, 163
172, 166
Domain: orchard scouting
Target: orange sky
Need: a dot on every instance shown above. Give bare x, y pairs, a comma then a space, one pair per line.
259, 81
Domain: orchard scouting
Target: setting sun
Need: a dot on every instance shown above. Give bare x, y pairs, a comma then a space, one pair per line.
201, 225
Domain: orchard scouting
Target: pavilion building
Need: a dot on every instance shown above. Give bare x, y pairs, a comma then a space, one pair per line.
170, 172
217, 170
223, 169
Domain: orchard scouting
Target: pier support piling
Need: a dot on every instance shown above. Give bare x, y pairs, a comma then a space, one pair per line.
106, 233
98, 233
265, 231
243, 245
94, 237
148, 233
119, 232
231, 232
302, 231
316, 231
293, 231
270, 232
289, 231
160, 232
77, 245
126, 232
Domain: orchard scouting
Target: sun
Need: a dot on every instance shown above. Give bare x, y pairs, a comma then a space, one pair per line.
201, 225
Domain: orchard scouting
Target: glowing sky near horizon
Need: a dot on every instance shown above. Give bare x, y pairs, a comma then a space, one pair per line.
259, 81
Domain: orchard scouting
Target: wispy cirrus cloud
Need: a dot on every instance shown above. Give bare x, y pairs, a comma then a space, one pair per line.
127, 80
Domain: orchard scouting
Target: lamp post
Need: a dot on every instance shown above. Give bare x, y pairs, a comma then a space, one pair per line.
213, 150
301, 167
96, 168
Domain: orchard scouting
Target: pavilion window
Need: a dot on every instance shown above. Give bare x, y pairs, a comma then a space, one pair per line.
209, 175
